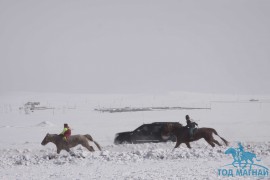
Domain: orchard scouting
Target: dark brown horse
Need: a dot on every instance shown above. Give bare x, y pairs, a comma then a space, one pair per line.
182, 134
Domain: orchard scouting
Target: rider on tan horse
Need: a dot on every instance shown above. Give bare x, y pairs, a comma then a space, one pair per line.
73, 141
66, 132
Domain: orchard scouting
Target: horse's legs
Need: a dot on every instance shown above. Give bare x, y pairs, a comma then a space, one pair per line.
70, 152
188, 145
216, 142
177, 144
233, 163
87, 146
210, 142
245, 164
251, 161
58, 151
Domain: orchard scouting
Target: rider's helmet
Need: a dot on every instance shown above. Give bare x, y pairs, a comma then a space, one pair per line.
187, 117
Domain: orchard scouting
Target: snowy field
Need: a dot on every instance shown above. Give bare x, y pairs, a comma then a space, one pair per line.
237, 118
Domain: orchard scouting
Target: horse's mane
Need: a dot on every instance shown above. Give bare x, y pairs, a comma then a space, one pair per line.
179, 124
53, 134
175, 125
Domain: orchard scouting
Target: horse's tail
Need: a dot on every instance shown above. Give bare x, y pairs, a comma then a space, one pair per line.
224, 140
91, 139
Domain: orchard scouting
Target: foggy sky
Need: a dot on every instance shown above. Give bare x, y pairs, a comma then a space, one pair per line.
135, 46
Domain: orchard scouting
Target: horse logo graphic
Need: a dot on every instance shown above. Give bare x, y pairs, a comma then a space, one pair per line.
243, 164
239, 155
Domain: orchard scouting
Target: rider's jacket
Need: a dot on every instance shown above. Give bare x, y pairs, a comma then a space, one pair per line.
66, 132
191, 124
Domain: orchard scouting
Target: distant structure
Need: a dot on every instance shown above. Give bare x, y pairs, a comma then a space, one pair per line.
31, 106
136, 109
254, 100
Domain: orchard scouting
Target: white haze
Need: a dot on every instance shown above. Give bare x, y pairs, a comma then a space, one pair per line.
22, 156
135, 46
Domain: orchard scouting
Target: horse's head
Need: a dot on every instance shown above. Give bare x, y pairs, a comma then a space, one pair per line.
230, 151
47, 139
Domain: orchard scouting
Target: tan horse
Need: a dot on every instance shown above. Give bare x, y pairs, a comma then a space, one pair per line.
182, 134
72, 142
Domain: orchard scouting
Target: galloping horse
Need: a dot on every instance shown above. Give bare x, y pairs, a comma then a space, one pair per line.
182, 134
72, 142
245, 156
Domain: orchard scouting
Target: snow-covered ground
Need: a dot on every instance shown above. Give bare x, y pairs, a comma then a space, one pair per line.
237, 118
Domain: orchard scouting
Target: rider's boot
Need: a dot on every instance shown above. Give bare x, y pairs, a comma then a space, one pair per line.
191, 133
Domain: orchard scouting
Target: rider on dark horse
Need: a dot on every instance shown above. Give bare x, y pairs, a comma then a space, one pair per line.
240, 151
191, 126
